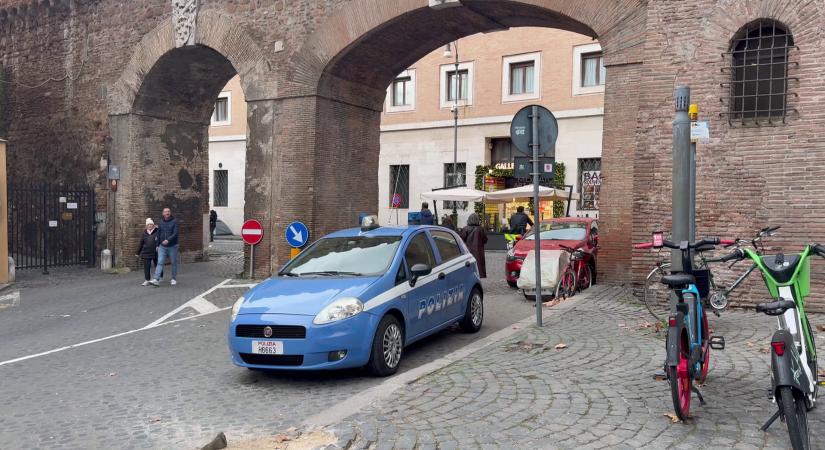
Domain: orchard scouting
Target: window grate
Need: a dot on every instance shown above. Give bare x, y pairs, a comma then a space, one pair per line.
590, 183
400, 185
221, 194
455, 178
759, 65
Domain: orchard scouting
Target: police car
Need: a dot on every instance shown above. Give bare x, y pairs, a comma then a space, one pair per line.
356, 298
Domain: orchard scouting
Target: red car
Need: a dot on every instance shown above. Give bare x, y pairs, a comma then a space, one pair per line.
572, 232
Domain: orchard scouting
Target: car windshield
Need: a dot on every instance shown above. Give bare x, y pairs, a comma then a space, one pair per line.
560, 231
352, 256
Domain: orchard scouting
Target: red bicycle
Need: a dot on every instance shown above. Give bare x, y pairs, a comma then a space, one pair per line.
576, 275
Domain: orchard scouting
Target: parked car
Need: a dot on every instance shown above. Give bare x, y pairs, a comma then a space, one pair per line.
356, 298
575, 232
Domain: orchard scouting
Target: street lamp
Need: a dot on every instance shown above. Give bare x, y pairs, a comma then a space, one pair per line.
448, 53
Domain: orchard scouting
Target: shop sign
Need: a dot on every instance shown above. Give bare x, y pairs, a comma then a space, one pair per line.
592, 178
492, 184
505, 165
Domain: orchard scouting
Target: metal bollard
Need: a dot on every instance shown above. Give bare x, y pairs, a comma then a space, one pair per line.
106, 260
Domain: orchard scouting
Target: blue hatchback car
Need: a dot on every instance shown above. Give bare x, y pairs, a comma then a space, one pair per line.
356, 298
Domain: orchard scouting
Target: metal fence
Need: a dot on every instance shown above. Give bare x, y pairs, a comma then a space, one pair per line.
51, 226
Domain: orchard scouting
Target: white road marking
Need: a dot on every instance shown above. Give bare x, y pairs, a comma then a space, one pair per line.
11, 299
229, 286
201, 305
198, 303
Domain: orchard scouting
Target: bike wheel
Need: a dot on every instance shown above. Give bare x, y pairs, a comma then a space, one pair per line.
681, 384
703, 371
566, 286
586, 279
656, 294
796, 417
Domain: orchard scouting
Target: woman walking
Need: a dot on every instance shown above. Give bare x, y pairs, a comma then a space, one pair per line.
148, 249
475, 237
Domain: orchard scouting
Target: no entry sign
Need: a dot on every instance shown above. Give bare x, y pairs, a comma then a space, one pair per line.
252, 232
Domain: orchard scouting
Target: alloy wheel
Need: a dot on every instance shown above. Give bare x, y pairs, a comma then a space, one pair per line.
392, 344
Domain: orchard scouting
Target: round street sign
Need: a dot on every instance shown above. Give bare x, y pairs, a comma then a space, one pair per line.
297, 234
521, 130
252, 232
396, 200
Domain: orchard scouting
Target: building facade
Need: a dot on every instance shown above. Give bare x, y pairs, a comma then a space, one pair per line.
227, 155
498, 74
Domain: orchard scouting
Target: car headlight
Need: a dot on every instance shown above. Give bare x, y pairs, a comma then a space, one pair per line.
235, 308
338, 310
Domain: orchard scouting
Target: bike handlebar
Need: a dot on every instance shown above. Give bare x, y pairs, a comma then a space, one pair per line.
700, 243
736, 254
644, 245
818, 249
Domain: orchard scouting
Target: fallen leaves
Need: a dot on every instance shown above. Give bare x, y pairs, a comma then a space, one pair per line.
673, 417
765, 350
154, 419
560, 346
112, 374
749, 344
820, 328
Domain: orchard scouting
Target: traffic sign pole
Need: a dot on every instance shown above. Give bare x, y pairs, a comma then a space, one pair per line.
251, 261
536, 210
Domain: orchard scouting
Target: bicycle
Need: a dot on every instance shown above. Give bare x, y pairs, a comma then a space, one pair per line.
794, 376
656, 299
688, 341
577, 275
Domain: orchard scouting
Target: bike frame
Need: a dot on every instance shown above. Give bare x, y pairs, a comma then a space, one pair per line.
794, 321
691, 313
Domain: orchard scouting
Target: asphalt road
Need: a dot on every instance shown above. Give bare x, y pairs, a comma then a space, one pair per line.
167, 386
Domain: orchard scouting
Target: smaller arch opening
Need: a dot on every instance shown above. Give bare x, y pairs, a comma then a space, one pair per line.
759, 63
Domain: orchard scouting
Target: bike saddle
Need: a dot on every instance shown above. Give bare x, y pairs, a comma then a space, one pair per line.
775, 308
781, 267
678, 280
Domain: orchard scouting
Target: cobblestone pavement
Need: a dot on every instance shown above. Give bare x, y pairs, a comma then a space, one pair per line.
597, 392
170, 386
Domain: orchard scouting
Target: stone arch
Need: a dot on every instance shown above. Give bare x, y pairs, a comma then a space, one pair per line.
215, 31
354, 54
159, 114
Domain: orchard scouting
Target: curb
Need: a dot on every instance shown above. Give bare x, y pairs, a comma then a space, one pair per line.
354, 404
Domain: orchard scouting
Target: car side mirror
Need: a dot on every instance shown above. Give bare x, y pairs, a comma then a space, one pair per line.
418, 271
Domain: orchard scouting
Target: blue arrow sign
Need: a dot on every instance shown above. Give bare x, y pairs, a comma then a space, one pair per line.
297, 234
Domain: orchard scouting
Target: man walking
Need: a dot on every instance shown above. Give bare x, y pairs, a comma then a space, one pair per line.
426, 215
213, 222
168, 236
519, 221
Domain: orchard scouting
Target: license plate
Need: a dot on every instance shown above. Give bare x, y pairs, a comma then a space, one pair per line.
268, 347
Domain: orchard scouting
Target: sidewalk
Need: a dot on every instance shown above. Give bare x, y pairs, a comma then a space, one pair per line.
585, 380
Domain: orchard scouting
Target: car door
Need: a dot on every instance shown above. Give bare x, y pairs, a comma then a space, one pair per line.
456, 270
421, 298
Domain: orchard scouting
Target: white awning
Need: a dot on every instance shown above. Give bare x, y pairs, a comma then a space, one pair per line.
526, 192
458, 194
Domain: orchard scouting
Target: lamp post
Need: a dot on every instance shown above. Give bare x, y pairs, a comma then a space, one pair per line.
447, 54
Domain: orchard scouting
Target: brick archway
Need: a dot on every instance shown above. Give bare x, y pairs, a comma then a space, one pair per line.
351, 58
159, 114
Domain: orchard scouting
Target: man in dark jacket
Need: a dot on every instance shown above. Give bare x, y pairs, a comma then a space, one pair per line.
148, 249
519, 221
168, 235
213, 223
426, 215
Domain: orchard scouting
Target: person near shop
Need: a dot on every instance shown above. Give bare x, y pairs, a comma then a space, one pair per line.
447, 222
213, 223
475, 237
426, 215
168, 247
519, 221
148, 249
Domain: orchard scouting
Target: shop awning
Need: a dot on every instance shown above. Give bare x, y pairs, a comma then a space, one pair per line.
526, 192
458, 194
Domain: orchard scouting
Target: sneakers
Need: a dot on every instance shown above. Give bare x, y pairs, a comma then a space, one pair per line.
145, 283
174, 282
154, 282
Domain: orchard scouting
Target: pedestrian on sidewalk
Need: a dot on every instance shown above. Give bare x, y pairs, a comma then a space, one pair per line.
475, 237
426, 215
213, 222
168, 247
519, 221
446, 222
148, 249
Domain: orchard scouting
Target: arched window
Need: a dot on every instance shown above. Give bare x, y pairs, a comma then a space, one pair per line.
759, 72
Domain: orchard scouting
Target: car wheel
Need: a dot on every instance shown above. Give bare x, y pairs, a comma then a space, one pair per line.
474, 313
512, 284
387, 347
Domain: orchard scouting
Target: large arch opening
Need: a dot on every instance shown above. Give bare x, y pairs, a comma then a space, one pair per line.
167, 152
352, 87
